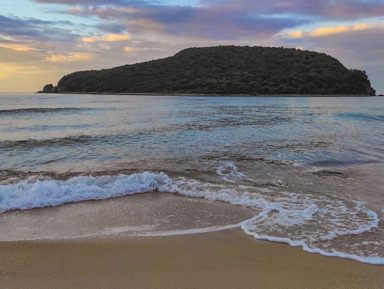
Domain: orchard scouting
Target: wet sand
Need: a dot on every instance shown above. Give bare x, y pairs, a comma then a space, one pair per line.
224, 259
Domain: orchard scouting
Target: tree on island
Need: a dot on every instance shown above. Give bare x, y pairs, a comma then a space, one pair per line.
225, 70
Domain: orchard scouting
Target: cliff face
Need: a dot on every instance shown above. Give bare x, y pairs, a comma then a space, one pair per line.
225, 70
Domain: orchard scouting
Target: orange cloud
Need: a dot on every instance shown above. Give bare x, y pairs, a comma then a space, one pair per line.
16, 47
69, 58
295, 34
322, 31
361, 26
328, 30
129, 49
107, 38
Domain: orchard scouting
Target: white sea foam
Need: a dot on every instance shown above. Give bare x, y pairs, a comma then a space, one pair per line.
309, 221
229, 171
374, 223
375, 260
330, 218
43, 193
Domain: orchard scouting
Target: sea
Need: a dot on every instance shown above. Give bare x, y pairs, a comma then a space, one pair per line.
306, 171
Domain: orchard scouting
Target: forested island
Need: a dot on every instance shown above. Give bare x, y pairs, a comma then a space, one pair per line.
224, 70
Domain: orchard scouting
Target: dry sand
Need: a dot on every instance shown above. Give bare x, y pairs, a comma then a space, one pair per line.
225, 259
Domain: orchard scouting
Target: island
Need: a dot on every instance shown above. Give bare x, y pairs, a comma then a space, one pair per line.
224, 70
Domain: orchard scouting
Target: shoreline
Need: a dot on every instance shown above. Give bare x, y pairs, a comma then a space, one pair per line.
222, 259
212, 95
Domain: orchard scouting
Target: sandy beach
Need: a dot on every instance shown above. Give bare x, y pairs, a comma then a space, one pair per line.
224, 259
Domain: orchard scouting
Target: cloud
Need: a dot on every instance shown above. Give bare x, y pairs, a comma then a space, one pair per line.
339, 29
129, 49
357, 9
94, 2
35, 29
201, 22
219, 19
328, 30
361, 47
17, 47
295, 34
153, 29
326, 9
107, 38
71, 57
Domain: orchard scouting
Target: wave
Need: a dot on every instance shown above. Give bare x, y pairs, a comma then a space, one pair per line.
39, 193
29, 144
43, 110
104, 139
316, 223
361, 116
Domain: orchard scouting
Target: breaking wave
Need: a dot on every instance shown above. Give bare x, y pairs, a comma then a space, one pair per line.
316, 223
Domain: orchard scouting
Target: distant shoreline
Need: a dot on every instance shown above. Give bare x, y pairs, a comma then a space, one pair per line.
216, 95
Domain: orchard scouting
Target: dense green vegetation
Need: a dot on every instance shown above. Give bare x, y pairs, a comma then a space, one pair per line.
224, 70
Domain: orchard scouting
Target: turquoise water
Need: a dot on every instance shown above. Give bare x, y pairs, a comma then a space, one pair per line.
309, 169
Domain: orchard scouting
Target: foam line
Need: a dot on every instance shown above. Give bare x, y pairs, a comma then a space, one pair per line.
334, 217
368, 260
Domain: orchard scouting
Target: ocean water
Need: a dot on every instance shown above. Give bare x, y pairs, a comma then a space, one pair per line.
305, 171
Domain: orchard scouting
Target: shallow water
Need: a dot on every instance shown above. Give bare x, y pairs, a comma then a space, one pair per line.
308, 171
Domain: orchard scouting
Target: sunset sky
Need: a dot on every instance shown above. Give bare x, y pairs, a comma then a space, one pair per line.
42, 40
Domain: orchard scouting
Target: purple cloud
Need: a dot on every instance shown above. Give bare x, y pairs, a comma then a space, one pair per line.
95, 2
220, 20
221, 24
355, 9
344, 9
328, 9
206, 22
34, 29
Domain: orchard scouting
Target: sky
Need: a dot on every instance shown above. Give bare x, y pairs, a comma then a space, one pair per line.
42, 40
